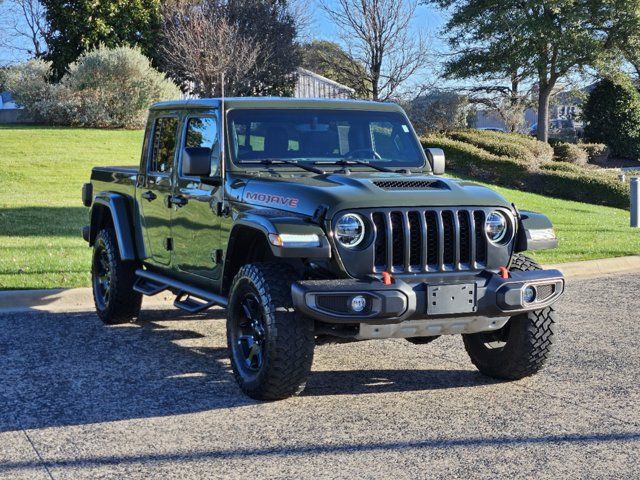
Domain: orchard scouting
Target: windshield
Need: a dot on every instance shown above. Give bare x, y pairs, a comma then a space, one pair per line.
323, 137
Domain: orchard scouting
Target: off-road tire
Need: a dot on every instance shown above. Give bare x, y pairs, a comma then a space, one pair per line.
123, 303
288, 342
528, 336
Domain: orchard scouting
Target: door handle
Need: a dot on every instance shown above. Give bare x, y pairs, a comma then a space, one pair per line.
150, 196
178, 200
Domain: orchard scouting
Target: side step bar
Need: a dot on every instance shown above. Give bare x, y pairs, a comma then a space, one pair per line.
189, 298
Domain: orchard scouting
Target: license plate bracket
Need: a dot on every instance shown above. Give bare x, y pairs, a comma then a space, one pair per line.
450, 299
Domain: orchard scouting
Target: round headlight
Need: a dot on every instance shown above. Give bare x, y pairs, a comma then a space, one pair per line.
350, 230
496, 226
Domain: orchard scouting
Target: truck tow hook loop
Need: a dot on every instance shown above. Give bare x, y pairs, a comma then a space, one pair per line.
504, 273
386, 278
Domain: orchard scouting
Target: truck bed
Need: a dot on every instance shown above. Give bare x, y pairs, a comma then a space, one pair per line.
114, 179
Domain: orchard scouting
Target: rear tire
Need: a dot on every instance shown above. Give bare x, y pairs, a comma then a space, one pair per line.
520, 348
270, 344
112, 280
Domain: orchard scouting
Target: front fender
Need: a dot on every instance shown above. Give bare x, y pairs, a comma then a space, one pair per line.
119, 208
270, 223
535, 232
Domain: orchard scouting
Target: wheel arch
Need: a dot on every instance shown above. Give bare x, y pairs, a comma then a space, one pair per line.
113, 210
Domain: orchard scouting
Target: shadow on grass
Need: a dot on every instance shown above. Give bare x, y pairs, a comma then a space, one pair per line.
43, 221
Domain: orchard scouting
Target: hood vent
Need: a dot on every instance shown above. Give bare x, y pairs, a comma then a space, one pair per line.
411, 184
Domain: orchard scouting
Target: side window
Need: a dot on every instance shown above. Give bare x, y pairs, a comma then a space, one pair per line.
164, 145
202, 138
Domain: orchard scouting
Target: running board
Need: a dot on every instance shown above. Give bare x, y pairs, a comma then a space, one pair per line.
191, 299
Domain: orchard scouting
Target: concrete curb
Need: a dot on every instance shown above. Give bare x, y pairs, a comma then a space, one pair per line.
81, 299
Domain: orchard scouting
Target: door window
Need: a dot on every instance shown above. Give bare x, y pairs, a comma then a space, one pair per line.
164, 145
202, 139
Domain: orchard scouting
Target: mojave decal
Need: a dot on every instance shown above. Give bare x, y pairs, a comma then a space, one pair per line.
273, 199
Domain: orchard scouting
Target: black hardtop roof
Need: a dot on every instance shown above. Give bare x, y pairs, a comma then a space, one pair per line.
277, 102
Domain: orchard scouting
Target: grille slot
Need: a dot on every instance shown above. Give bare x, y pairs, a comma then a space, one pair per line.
428, 240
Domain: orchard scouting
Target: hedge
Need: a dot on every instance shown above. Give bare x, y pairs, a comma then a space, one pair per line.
570, 153
554, 179
512, 145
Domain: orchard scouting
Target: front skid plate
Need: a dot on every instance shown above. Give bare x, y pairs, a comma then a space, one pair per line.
430, 328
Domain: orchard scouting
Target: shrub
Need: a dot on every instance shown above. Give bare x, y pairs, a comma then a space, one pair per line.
556, 179
118, 85
597, 152
570, 153
612, 116
29, 84
437, 111
104, 88
511, 145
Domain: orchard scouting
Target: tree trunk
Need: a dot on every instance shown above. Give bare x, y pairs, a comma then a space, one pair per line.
543, 113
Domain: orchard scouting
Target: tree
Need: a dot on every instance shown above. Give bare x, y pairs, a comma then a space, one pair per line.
250, 41
547, 40
272, 25
330, 60
612, 116
377, 35
24, 25
75, 26
437, 111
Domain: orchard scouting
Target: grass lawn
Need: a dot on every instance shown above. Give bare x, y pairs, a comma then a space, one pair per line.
41, 214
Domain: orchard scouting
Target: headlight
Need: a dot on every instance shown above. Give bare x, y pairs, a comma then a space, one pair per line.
350, 230
496, 226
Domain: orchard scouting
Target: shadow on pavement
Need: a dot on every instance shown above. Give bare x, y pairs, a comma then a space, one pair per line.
69, 369
350, 448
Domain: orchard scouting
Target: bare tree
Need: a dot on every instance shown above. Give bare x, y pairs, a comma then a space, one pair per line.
200, 44
377, 34
24, 27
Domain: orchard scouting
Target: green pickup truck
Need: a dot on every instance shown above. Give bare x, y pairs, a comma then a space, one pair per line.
317, 220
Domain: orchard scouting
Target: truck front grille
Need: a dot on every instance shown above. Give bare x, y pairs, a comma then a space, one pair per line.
428, 240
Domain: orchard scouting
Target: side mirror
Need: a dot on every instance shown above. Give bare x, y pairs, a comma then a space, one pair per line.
436, 157
196, 162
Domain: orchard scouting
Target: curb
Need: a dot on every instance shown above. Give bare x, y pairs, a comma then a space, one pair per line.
81, 299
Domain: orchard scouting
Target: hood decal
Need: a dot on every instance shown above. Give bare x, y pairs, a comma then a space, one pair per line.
271, 199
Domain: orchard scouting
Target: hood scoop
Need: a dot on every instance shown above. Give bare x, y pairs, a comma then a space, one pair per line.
411, 184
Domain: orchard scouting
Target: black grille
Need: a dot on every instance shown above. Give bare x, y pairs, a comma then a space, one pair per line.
338, 303
413, 241
410, 184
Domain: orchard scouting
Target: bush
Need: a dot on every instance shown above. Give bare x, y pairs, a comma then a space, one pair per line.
511, 145
612, 116
104, 88
597, 152
570, 153
29, 84
556, 179
118, 85
437, 111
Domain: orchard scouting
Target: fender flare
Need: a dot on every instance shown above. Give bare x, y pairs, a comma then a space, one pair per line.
535, 232
272, 225
118, 206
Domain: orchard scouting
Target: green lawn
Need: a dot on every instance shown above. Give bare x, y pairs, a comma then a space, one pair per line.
43, 170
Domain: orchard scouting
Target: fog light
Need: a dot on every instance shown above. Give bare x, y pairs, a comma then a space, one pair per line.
529, 294
358, 304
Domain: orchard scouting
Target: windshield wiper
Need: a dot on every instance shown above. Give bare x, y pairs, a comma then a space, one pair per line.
274, 161
345, 162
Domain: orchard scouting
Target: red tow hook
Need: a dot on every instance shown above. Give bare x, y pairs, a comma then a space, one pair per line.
504, 273
386, 278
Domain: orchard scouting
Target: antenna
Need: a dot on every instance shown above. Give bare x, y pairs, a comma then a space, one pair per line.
224, 134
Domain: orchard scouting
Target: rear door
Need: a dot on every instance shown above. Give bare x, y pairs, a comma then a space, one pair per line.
156, 187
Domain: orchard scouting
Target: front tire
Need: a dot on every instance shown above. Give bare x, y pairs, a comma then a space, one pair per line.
270, 344
520, 348
112, 280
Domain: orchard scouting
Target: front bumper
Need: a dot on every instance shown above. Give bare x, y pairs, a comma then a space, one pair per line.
440, 296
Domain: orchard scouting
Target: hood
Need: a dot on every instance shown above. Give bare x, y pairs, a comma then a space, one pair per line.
303, 194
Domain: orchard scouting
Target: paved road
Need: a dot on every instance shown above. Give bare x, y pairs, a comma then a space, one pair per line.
157, 400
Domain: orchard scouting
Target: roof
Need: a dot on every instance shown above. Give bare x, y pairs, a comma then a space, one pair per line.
277, 102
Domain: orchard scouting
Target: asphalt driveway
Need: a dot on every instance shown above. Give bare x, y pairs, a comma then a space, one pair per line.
157, 400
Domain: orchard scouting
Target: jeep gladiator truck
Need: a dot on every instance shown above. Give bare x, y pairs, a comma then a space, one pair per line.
312, 220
